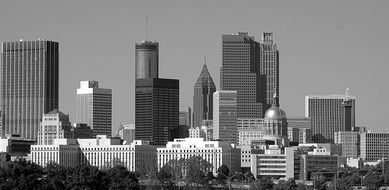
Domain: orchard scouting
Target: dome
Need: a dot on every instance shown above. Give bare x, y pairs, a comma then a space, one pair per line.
275, 113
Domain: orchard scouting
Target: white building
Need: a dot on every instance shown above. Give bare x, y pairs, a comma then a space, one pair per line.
101, 152
214, 152
94, 107
374, 146
225, 116
200, 132
54, 125
275, 162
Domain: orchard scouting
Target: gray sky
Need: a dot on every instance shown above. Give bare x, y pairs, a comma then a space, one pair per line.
325, 46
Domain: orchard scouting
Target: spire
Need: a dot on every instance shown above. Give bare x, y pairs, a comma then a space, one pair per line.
204, 77
276, 100
205, 60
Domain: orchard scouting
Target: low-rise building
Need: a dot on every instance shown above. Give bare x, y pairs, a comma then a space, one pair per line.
275, 162
318, 161
374, 146
293, 134
214, 152
350, 142
101, 152
15, 146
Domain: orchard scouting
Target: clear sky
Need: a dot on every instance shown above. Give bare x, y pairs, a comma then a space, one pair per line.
325, 46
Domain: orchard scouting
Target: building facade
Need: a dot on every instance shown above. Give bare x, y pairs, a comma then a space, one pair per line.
275, 162
330, 114
203, 97
101, 152
29, 71
225, 116
350, 141
214, 152
156, 109
127, 133
54, 125
252, 69
94, 107
146, 60
374, 146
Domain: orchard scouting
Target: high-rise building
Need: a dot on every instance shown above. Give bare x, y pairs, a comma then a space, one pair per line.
156, 99
203, 97
330, 114
252, 69
94, 107
225, 116
156, 109
29, 82
146, 60
54, 125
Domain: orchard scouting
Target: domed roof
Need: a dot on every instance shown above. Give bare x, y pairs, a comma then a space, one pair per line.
275, 113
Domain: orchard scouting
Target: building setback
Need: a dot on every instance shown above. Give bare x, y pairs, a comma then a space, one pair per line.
252, 69
94, 107
330, 114
29, 71
203, 97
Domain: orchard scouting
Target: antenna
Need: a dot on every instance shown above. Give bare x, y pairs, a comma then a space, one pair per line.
147, 32
205, 60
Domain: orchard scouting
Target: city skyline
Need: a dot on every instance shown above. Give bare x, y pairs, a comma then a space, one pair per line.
309, 47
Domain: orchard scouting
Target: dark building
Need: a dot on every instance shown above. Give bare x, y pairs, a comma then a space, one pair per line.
203, 97
29, 71
252, 69
156, 109
82, 131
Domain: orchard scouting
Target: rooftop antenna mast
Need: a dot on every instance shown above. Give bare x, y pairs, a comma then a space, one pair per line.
147, 32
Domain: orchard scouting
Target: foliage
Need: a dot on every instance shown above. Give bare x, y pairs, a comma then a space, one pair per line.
290, 184
264, 183
26, 175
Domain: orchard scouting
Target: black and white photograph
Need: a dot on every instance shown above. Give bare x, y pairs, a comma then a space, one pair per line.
194, 94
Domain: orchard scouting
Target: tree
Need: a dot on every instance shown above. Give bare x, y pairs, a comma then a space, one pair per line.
120, 178
290, 184
86, 177
196, 168
164, 174
319, 182
21, 174
55, 176
249, 177
264, 183
222, 173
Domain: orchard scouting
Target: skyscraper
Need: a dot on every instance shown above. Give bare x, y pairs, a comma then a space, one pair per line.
225, 126
146, 60
29, 71
156, 99
330, 114
203, 97
94, 107
252, 69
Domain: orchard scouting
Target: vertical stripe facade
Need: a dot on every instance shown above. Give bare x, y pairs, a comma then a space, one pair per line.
29, 78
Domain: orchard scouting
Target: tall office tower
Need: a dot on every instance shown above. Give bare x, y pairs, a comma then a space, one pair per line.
252, 69
185, 117
203, 97
94, 107
156, 99
29, 82
54, 125
330, 114
225, 116
156, 109
146, 60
